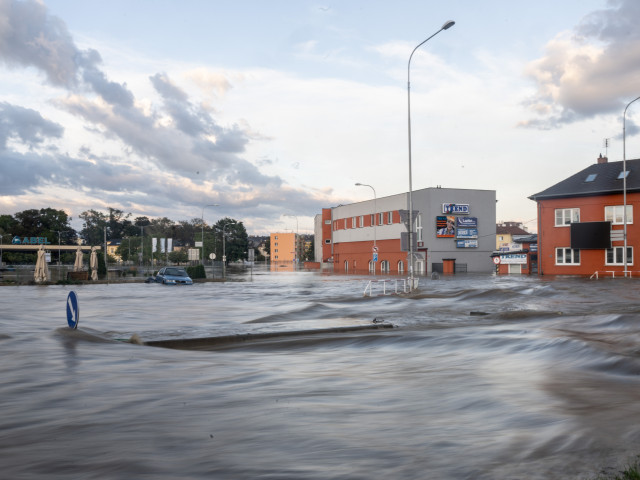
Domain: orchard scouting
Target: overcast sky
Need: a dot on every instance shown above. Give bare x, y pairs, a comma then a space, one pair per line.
275, 108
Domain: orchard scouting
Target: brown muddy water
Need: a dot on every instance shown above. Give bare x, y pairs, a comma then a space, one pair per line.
482, 377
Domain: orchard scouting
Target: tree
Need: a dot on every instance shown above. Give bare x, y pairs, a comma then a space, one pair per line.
236, 239
309, 252
93, 227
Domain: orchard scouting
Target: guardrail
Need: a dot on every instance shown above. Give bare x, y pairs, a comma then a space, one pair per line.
628, 273
391, 291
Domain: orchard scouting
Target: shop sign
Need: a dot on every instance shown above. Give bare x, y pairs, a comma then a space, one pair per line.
467, 233
466, 243
467, 222
455, 208
30, 241
514, 259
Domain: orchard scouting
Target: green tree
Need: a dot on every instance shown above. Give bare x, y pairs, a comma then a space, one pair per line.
236, 239
309, 252
93, 227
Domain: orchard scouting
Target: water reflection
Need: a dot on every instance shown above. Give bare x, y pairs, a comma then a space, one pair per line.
542, 384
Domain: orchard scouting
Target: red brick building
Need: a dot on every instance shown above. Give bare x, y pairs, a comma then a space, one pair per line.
581, 221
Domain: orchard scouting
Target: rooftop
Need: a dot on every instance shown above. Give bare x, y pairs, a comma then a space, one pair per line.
603, 178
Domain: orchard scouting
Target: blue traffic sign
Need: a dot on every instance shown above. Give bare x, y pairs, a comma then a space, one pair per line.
375, 257
73, 312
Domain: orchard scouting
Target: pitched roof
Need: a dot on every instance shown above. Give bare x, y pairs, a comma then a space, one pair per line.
597, 179
510, 230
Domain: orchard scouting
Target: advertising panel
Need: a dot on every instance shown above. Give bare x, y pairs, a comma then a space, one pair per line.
466, 243
445, 226
514, 259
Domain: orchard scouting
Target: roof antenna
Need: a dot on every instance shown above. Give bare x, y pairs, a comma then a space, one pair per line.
605, 144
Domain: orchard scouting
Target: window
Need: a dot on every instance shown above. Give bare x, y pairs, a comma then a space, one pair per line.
381, 218
622, 175
614, 256
276, 237
361, 221
327, 222
384, 266
327, 240
615, 214
390, 218
373, 219
567, 256
372, 266
591, 177
419, 227
400, 267
565, 216
276, 250
353, 222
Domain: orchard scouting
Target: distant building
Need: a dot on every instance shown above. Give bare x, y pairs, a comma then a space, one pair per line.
581, 221
286, 247
453, 228
507, 232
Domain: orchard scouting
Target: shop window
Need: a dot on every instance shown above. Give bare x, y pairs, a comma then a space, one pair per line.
567, 256
566, 216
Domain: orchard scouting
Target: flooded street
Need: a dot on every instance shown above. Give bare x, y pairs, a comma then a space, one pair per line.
481, 377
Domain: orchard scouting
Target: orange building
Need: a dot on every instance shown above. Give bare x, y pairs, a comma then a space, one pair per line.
581, 221
285, 247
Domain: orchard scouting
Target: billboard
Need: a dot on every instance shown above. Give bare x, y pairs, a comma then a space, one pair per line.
466, 243
445, 226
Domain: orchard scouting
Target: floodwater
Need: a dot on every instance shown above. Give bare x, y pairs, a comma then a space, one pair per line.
482, 377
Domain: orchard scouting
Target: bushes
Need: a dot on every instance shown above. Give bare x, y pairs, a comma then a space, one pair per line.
196, 271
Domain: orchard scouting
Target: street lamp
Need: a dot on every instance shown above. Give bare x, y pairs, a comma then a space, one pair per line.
375, 212
295, 243
446, 26
624, 182
202, 218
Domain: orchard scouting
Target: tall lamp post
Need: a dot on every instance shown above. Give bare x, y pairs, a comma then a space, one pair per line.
375, 218
446, 26
202, 219
295, 243
624, 182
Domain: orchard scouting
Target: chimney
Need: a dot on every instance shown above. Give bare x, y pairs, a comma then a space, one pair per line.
602, 159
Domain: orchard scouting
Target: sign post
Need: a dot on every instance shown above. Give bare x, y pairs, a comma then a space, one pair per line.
73, 311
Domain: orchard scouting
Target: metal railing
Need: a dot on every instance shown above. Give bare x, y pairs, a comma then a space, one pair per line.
597, 274
393, 286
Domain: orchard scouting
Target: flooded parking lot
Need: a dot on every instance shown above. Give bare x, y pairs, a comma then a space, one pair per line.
481, 377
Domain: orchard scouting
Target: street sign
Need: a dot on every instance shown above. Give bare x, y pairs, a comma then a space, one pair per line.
212, 256
375, 257
73, 312
496, 260
375, 248
224, 258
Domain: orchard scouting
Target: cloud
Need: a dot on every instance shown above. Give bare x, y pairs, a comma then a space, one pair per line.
29, 36
25, 124
144, 151
591, 71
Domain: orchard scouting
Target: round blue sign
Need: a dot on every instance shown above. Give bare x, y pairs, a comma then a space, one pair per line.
73, 312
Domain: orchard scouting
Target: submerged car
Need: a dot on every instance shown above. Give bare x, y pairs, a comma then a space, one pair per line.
173, 276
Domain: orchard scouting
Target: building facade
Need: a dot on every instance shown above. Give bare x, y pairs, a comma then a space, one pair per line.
285, 247
581, 221
453, 227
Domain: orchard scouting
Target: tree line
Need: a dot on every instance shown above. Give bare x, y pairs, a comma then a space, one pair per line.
134, 234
